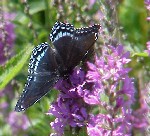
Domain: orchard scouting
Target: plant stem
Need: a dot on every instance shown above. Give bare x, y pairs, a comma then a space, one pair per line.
47, 16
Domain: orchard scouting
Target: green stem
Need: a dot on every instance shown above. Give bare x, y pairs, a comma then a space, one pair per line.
47, 16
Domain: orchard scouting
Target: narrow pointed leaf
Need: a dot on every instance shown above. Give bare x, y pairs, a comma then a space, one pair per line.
13, 66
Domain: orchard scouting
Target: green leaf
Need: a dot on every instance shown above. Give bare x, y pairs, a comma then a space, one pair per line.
141, 54
133, 20
36, 6
21, 18
13, 66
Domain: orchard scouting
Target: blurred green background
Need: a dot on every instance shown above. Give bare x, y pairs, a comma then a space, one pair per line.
32, 23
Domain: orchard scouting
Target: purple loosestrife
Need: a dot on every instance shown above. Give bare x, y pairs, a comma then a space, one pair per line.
139, 116
147, 4
91, 3
69, 109
148, 47
7, 36
17, 122
113, 93
106, 89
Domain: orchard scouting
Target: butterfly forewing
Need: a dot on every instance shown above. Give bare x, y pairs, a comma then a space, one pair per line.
61, 30
43, 75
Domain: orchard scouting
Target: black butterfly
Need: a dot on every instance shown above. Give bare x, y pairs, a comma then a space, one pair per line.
47, 65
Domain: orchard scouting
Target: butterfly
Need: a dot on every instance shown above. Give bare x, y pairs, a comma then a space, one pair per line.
47, 65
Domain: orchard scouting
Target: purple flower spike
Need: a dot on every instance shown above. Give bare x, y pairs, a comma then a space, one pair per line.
9, 36
67, 112
106, 90
69, 109
17, 122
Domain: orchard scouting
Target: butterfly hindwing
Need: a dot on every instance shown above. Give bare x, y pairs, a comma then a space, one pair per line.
42, 76
85, 38
82, 41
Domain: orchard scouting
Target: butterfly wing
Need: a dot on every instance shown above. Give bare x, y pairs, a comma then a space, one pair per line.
42, 76
72, 44
61, 37
85, 38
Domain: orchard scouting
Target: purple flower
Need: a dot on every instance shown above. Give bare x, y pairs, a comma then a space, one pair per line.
18, 122
7, 36
147, 4
107, 90
3, 107
69, 109
113, 68
107, 74
96, 125
139, 118
91, 3
148, 48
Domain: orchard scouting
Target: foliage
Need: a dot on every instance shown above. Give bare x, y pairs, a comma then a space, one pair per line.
33, 22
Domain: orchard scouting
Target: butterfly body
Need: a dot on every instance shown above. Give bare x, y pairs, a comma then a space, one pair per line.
47, 65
